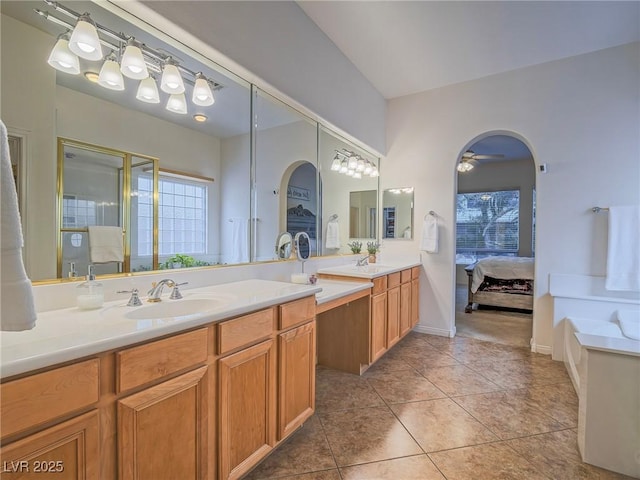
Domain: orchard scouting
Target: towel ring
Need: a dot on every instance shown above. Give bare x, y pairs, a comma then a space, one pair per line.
432, 213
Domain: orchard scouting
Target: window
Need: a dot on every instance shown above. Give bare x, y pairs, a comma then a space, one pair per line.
77, 213
182, 216
487, 224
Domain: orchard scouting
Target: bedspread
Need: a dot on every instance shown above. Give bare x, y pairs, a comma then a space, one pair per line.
506, 268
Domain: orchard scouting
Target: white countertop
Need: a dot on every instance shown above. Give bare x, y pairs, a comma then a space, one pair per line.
370, 271
70, 333
334, 289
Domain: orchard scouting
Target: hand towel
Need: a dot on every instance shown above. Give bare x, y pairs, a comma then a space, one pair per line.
106, 244
623, 251
17, 311
429, 241
333, 235
629, 321
239, 240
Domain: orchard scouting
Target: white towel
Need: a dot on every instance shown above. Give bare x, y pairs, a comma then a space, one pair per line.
106, 244
623, 252
239, 240
17, 311
629, 323
333, 235
429, 241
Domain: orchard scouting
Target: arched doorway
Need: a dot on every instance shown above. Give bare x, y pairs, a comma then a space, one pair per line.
495, 217
299, 206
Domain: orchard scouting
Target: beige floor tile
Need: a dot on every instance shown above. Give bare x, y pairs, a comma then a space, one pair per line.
322, 475
389, 363
419, 467
340, 391
556, 455
306, 451
441, 424
458, 380
424, 356
559, 401
403, 386
508, 414
366, 435
495, 461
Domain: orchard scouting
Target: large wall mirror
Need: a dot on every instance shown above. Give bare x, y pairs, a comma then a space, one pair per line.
349, 182
397, 213
204, 154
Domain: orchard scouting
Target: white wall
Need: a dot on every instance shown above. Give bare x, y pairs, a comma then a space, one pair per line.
580, 116
492, 176
311, 69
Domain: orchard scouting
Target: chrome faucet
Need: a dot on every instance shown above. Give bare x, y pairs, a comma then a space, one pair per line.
156, 289
363, 261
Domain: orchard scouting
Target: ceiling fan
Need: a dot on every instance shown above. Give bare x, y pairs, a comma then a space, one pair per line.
470, 159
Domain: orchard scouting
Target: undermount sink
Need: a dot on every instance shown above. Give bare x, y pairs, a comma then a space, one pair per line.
173, 308
355, 270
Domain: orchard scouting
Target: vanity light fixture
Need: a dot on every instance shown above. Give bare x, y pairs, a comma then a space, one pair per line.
368, 168
335, 165
357, 174
63, 59
202, 94
350, 172
84, 41
148, 90
133, 64
177, 103
171, 81
199, 117
352, 164
344, 166
110, 76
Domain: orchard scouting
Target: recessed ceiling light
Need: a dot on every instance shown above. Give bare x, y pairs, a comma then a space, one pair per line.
198, 117
91, 76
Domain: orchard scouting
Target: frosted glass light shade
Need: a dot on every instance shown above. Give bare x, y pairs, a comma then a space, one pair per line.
344, 167
177, 103
367, 168
110, 76
357, 174
353, 163
350, 173
335, 165
84, 40
171, 81
148, 91
202, 94
374, 172
63, 59
133, 64
360, 166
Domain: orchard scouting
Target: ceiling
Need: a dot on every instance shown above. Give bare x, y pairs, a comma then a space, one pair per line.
405, 47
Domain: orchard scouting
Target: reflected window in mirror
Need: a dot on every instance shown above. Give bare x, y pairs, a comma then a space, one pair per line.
397, 213
349, 197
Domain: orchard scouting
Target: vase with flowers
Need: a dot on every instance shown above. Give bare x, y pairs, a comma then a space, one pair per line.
355, 246
372, 249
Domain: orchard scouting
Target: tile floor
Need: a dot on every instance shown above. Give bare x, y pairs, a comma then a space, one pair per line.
438, 408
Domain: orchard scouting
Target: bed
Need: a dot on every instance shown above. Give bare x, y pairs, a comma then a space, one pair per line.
500, 282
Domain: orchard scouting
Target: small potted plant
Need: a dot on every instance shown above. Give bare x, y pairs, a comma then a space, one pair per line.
372, 248
355, 246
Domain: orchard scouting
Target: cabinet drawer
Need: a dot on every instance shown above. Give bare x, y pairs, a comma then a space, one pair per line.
36, 399
405, 275
296, 312
379, 285
244, 330
152, 361
415, 273
394, 280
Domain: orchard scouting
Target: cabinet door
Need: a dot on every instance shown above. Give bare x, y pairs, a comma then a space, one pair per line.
247, 395
378, 343
415, 302
296, 377
162, 431
405, 308
393, 316
68, 451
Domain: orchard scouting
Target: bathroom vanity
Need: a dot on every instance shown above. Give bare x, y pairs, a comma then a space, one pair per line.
89, 396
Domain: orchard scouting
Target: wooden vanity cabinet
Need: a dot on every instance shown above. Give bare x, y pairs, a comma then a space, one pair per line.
415, 296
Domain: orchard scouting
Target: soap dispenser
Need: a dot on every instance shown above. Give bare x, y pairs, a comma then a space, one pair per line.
90, 292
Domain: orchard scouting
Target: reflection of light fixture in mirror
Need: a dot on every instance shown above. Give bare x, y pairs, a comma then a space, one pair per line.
360, 167
110, 76
91, 76
202, 94
198, 117
357, 174
464, 166
132, 64
485, 197
63, 59
84, 40
367, 168
335, 165
350, 172
353, 162
344, 166
171, 81
177, 103
374, 172
148, 90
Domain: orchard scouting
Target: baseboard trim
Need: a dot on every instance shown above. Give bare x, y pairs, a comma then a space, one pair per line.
442, 332
543, 349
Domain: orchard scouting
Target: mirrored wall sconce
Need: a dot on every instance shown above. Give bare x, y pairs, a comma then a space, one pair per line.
353, 165
126, 57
